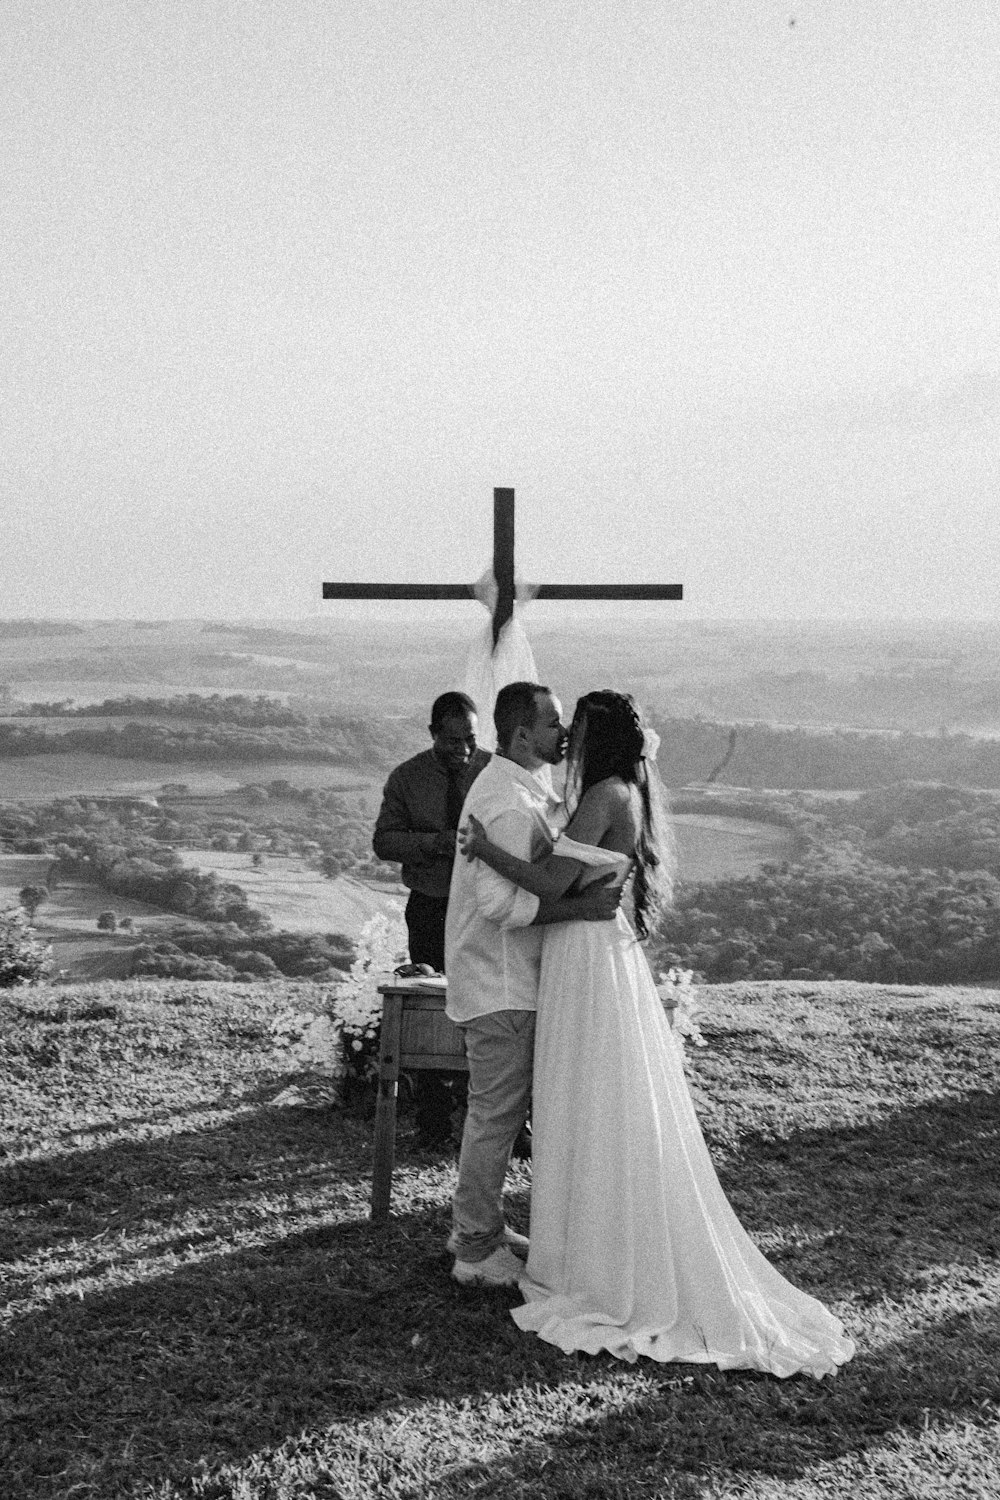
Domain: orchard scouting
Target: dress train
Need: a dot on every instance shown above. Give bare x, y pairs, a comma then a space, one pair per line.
634, 1246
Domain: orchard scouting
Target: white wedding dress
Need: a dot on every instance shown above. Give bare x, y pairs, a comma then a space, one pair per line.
634, 1247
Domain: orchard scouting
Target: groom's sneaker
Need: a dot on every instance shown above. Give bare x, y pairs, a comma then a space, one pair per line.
514, 1241
499, 1269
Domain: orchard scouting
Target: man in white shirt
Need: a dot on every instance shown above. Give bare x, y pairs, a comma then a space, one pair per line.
493, 947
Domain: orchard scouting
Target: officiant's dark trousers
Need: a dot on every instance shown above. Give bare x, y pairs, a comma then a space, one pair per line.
425, 929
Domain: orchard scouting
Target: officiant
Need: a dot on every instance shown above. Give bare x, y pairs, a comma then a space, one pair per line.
417, 826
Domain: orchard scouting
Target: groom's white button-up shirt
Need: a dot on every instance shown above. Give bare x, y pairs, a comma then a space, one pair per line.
492, 953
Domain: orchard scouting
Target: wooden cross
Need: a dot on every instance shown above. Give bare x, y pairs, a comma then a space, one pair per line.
503, 572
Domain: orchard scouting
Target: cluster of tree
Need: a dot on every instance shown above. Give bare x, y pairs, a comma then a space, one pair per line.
927, 827
355, 742
223, 951
313, 798
264, 637
910, 804
110, 921
17, 630
256, 710
219, 660
22, 958
325, 827
865, 921
840, 760
141, 870
31, 898
39, 828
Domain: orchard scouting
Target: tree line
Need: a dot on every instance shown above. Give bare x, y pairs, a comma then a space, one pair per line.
225, 951
868, 922
766, 756
139, 869
329, 827
929, 827
257, 728
899, 885
257, 710
325, 741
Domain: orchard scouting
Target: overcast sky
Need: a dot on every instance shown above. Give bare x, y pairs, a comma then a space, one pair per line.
288, 288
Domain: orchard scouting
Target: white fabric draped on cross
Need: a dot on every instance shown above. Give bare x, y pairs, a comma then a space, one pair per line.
488, 669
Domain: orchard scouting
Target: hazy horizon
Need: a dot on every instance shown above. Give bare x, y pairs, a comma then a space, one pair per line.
617, 621
468, 625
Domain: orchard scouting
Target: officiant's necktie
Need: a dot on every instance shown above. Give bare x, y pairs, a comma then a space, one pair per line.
456, 796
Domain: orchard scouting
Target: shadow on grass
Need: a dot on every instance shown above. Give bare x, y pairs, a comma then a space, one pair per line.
883, 1202
248, 1129
880, 1206
172, 1369
738, 1426
107, 1205
210, 1362
241, 1353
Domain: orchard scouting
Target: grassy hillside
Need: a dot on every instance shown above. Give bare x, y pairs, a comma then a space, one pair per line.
197, 1306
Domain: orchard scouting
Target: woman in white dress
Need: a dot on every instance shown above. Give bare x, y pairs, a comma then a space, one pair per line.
634, 1246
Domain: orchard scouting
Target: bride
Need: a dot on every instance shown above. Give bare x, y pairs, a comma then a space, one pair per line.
634, 1247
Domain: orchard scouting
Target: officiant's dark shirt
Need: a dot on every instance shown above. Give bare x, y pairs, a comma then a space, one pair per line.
414, 811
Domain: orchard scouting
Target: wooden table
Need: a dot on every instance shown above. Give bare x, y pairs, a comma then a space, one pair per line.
416, 1034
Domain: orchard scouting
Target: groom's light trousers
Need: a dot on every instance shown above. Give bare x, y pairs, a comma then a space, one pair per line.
499, 1050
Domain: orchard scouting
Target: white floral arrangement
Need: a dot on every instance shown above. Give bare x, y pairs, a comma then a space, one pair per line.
678, 991
329, 1040
307, 1042
382, 945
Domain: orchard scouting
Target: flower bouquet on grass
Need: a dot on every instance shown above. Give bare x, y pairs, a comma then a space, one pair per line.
680, 1002
332, 1045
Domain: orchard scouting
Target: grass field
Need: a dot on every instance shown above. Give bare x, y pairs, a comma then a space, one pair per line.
66, 922
713, 848
197, 1305
297, 898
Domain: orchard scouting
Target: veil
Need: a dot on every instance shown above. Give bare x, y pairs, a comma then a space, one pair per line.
488, 669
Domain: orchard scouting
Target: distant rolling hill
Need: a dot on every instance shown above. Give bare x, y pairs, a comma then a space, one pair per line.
889, 674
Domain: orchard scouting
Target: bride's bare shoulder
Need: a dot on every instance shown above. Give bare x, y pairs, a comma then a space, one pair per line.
615, 799
611, 793
607, 816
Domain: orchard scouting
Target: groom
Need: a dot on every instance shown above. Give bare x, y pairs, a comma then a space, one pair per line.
493, 948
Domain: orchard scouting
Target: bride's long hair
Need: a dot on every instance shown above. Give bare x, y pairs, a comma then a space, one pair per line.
608, 738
